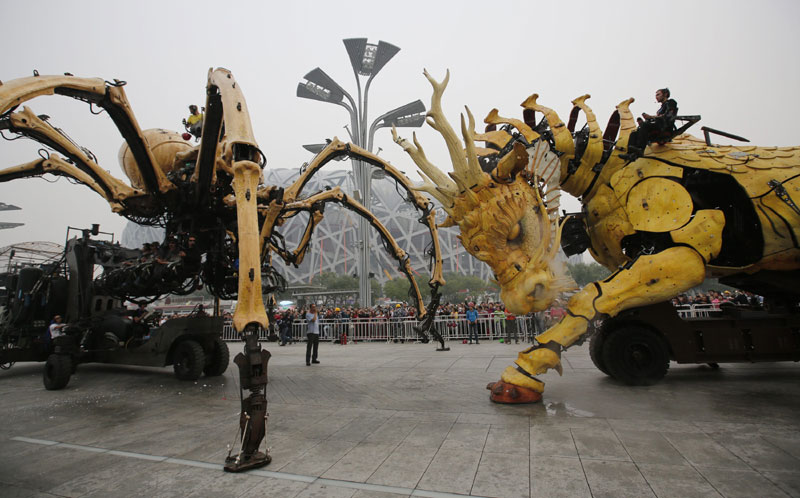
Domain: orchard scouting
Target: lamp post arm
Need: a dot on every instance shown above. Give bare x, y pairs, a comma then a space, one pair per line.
358, 120
351, 109
364, 111
353, 119
346, 106
372, 129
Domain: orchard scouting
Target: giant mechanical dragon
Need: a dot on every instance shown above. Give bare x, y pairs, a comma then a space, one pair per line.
661, 211
212, 193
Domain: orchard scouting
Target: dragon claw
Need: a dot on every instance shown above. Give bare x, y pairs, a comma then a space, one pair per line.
503, 392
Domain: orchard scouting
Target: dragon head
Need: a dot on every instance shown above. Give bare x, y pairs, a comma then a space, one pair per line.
507, 209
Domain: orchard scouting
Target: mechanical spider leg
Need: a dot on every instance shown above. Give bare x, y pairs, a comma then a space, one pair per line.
239, 154
27, 123
58, 167
274, 212
252, 365
109, 96
314, 204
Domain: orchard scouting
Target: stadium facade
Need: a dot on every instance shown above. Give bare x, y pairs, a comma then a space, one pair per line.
334, 245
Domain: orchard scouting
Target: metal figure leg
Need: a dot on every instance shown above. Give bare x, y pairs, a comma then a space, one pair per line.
253, 421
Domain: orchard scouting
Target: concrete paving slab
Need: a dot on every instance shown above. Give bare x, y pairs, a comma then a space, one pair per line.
757, 452
390, 420
558, 477
405, 466
466, 437
650, 447
740, 483
676, 481
452, 471
503, 475
430, 434
552, 441
789, 482
789, 445
614, 479
319, 458
393, 430
360, 462
701, 449
511, 439
599, 444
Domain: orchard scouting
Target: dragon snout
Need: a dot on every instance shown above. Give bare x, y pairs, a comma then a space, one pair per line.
528, 291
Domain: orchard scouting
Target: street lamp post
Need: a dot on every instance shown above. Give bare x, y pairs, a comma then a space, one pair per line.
367, 60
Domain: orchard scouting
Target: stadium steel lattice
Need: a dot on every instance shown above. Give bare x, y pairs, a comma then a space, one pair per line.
334, 245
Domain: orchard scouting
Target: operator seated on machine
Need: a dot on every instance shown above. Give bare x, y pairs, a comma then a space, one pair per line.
194, 123
656, 128
141, 330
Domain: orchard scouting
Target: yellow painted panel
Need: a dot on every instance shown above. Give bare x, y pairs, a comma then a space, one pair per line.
624, 179
704, 233
658, 205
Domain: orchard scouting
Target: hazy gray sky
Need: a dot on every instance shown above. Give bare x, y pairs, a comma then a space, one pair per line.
733, 62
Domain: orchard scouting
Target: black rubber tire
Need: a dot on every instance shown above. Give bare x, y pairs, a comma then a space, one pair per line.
218, 359
57, 371
635, 355
596, 344
189, 360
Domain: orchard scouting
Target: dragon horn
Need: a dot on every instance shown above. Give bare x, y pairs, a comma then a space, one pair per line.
467, 171
511, 163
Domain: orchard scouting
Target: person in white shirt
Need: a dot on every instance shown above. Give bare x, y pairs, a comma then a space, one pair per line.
312, 319
56, 327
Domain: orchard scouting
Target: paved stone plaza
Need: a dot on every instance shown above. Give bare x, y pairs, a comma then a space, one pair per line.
386, 420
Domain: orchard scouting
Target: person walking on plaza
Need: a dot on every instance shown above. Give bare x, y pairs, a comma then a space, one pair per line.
312, 346
511, 327
285, 327
472, 319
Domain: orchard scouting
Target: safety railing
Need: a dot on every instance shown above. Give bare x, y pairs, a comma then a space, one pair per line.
697, 310
523, 329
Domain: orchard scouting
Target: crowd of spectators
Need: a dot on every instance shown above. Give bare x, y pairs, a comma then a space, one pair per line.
716, 298
336, 320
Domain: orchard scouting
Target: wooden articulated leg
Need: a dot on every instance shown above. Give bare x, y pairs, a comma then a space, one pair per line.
650, 279
249, 317
253, 419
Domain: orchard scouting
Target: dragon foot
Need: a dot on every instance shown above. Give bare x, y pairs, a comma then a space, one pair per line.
518, 384
503, 392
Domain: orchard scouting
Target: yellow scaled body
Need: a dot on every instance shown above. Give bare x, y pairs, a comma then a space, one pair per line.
663, 218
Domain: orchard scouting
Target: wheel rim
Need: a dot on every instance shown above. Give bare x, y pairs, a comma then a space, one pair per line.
639, 356
183, 362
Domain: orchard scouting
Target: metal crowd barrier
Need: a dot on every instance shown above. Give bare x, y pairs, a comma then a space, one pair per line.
381, 329
697, 310
402, 330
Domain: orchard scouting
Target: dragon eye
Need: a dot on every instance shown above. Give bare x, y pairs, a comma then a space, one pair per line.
514, 233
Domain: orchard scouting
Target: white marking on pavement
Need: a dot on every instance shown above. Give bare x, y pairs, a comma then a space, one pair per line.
263, 473
140, 456
82, 447
34, 441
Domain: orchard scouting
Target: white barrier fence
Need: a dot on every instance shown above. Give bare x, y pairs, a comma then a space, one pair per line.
697, 310
381, 329
522, 329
